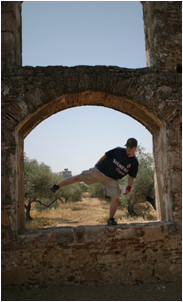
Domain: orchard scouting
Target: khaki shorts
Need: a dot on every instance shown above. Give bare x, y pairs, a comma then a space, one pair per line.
111, 187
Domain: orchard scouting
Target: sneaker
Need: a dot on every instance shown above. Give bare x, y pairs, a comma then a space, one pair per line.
111, 221
54, 188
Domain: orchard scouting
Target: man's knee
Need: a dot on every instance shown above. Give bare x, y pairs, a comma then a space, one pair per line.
77, 178
115, 200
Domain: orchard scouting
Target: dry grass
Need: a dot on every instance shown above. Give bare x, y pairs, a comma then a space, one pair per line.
91, 211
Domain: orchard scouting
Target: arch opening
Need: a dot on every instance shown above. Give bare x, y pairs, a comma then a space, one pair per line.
121, 104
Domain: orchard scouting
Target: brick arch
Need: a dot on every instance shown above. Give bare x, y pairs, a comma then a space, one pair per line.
121, 104
60, 88
52, 89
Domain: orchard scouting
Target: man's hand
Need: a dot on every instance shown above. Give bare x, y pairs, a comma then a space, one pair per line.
130, 182
128, 189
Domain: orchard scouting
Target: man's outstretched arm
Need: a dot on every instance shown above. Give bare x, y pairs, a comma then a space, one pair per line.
101, 159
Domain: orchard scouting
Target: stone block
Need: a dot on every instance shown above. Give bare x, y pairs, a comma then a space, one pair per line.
54, 256
125, 233
63, 235
82, 256
5, 219
18, 277
174, 159
7, 22
176, 181
94, 234
141, 274
110, 258
167, 271
90, 274
153, 234
8, 44
79, 234
8, 7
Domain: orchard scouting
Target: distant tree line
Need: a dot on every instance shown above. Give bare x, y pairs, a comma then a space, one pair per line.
38, 178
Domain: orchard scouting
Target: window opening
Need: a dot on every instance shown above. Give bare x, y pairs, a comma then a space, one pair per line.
66, 33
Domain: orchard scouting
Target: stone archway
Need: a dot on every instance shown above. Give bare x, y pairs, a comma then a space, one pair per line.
40, 92
122, 104
43, 100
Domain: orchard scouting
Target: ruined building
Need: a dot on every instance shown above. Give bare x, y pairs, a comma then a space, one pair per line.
127, 253
66, 173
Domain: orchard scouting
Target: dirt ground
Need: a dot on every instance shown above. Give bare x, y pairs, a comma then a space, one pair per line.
162, 291
89, 211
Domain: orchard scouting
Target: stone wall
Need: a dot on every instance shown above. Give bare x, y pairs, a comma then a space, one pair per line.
125, 253
163, 34
11, 37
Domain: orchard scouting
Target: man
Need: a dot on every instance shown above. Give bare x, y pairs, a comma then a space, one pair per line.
114, 165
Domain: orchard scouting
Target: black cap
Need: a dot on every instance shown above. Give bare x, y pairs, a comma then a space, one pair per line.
131, 142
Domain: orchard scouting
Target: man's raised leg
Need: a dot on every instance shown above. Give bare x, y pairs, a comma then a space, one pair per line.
66, 182
69, 181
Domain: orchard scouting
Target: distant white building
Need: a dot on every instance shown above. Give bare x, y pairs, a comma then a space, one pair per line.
66, 173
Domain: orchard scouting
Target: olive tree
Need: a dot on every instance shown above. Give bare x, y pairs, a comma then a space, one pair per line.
143, 185
38, 178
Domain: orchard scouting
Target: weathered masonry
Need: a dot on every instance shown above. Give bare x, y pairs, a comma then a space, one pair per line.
127, 253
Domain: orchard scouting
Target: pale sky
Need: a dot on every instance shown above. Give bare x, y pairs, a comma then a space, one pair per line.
71, 33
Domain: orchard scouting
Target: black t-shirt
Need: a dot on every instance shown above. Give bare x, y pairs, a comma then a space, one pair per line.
118, 164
